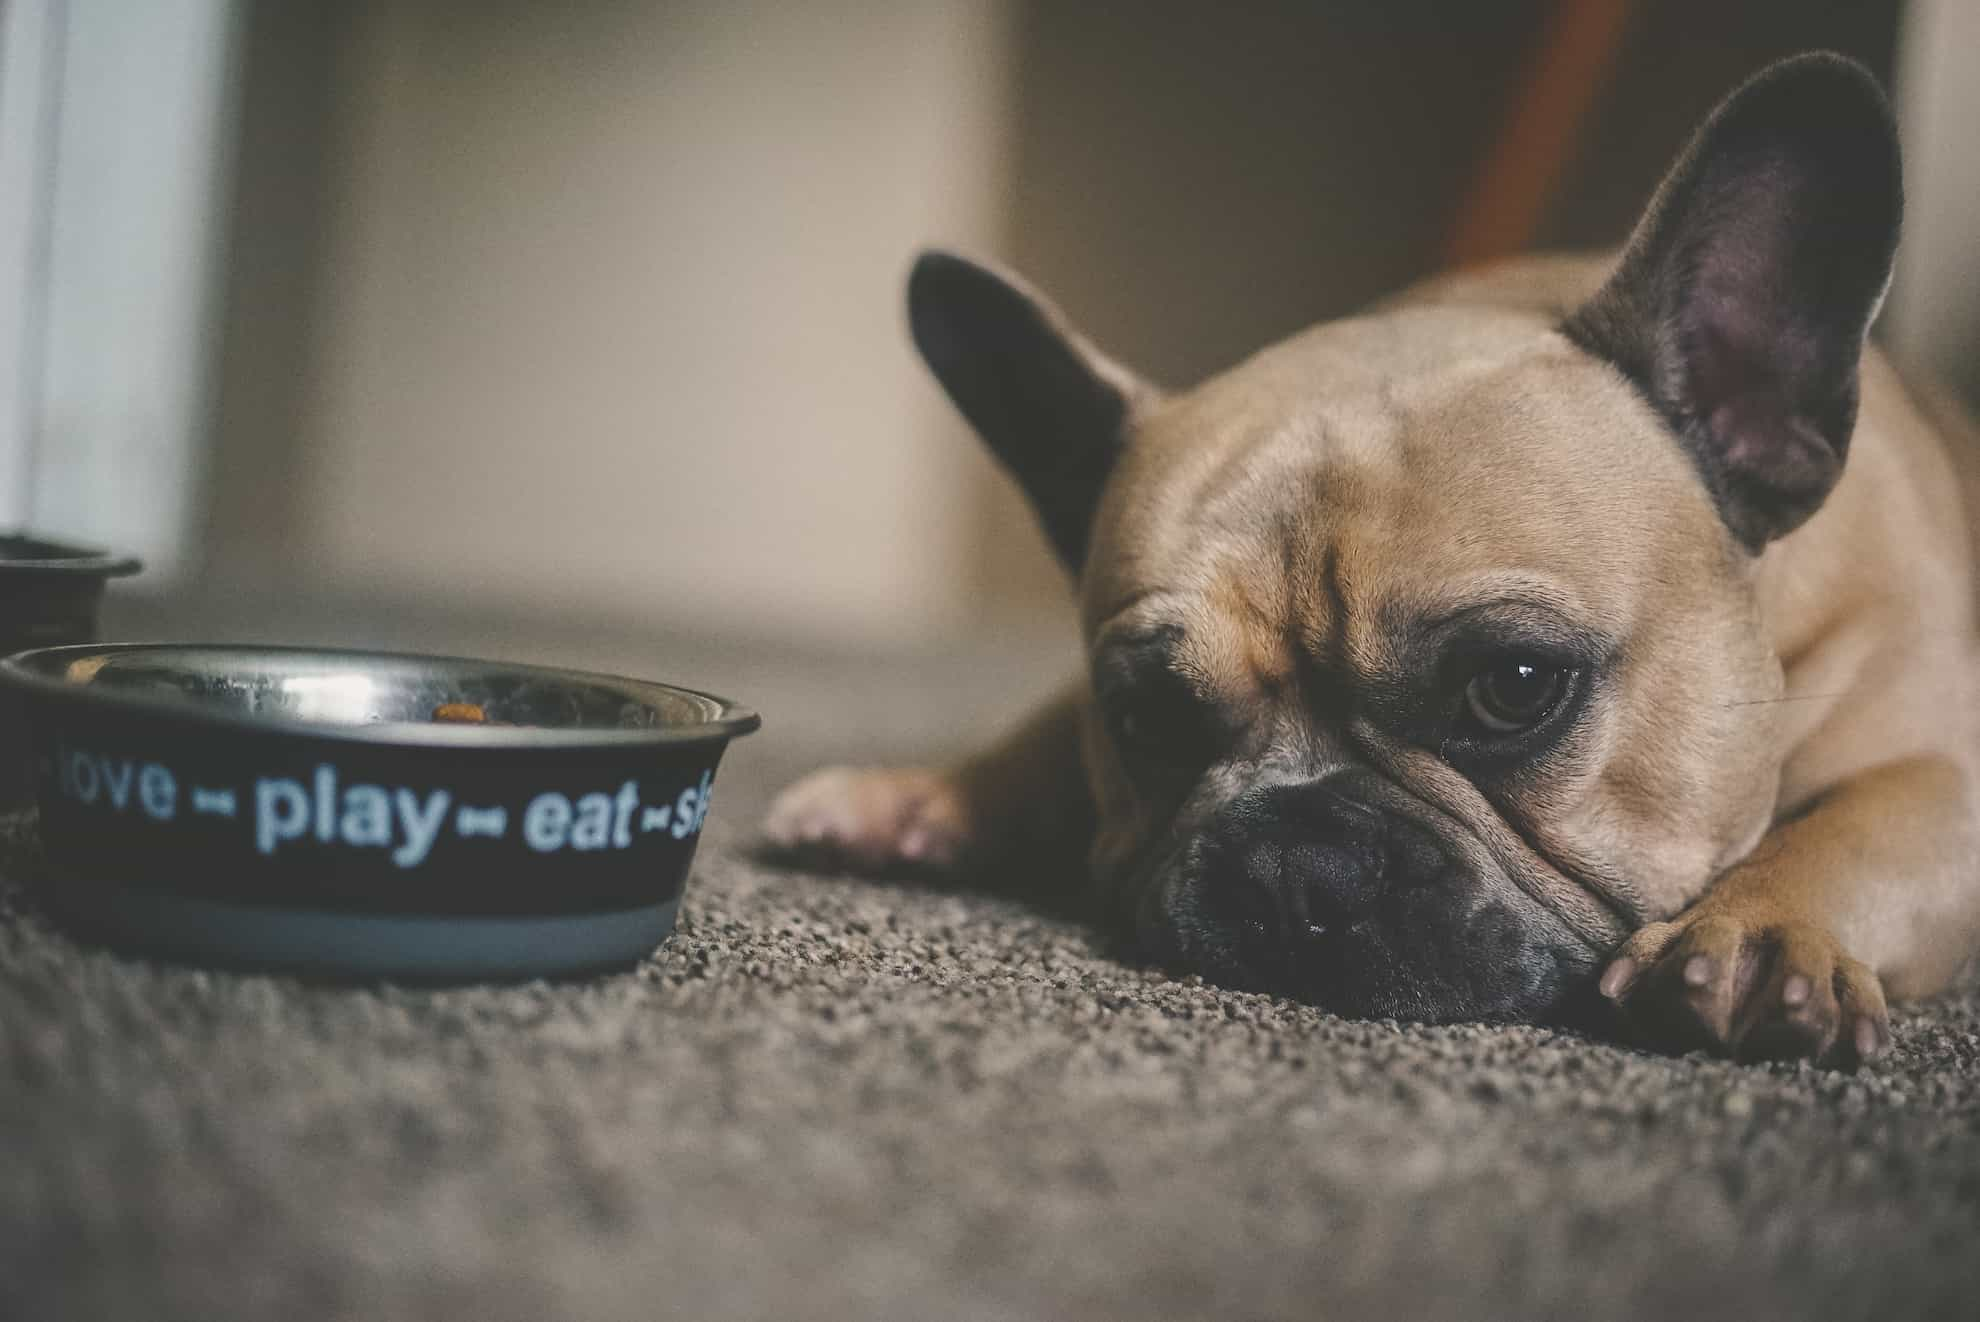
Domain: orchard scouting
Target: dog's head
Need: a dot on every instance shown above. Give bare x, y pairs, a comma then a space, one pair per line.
1426, 656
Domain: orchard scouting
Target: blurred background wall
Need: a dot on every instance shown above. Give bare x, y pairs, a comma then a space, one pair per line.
589, 307
590, 311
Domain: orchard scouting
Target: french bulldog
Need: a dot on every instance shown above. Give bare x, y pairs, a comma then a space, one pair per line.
1568, 633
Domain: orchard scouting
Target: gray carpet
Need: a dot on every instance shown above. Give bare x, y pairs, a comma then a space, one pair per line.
826, 1098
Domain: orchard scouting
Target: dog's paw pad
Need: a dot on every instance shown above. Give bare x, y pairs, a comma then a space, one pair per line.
1756, 990
870, 820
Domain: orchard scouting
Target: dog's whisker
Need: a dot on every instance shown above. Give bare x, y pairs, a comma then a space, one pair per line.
1792, 697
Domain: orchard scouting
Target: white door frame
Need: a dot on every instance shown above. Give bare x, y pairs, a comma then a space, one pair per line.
30, 52
116, 133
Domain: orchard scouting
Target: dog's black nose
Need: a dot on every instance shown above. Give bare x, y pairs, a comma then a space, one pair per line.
1292, 863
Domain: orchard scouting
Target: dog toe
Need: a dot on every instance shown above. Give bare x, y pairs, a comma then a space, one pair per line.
1707, 973
1639, 953
1865, 1019
1794, 1015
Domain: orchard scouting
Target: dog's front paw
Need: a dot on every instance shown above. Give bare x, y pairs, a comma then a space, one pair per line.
871, 820
1755, 989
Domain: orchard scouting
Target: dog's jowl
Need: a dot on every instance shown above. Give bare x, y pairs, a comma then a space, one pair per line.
1567, 632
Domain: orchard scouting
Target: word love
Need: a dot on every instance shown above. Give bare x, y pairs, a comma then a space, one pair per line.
93, 778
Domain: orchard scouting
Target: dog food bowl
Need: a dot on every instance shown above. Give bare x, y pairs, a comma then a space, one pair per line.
366, 815
49, 595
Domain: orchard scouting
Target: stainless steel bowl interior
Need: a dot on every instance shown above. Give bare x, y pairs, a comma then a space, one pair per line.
365, 694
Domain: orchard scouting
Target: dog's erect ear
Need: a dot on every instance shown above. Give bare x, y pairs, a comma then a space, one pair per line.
1053, 409
1741, 304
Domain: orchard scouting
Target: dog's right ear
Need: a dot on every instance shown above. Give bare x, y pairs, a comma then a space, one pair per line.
1053, 409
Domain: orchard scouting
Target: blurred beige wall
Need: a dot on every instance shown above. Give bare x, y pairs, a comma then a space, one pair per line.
607, 312
1934, 317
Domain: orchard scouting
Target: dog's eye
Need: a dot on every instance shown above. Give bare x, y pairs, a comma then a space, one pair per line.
1142, 727
1164, 729
1514, 694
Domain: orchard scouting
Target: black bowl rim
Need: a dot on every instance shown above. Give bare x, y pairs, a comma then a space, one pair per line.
74, 559
731, 719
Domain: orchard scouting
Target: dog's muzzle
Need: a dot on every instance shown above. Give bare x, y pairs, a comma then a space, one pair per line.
1289, 867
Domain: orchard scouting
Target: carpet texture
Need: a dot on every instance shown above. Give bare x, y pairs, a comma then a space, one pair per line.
826, 1098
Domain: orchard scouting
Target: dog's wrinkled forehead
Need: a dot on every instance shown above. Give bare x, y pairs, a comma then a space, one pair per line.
1326, 493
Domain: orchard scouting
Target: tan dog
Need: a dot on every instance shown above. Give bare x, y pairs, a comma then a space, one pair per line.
1526, 629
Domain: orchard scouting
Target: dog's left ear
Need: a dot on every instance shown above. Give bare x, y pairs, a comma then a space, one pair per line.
1741, 303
